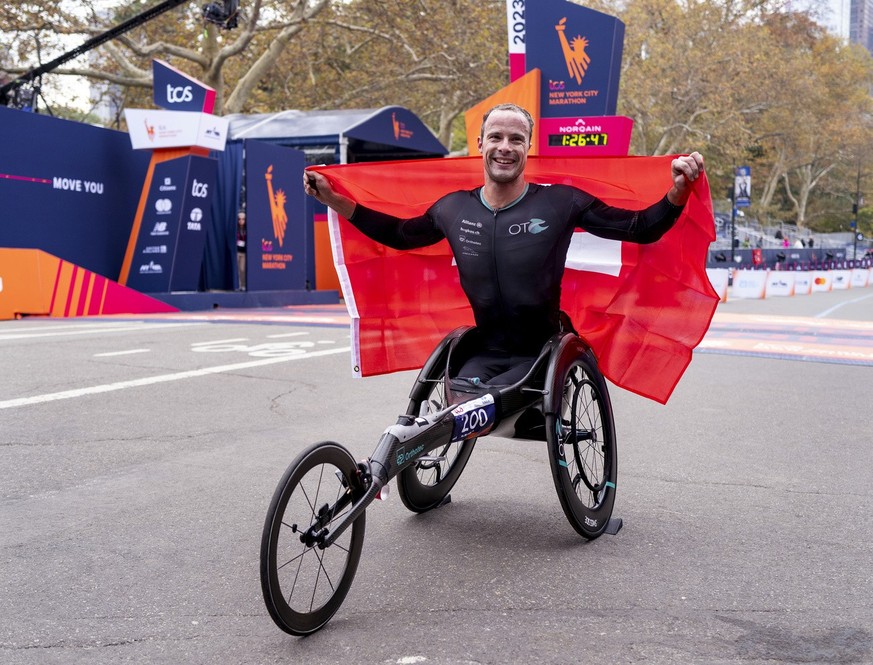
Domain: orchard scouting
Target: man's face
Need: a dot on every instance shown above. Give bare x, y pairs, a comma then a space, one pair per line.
504, 144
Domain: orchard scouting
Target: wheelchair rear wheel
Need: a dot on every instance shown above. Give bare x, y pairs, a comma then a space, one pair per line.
582, 451
303, 584
424, 485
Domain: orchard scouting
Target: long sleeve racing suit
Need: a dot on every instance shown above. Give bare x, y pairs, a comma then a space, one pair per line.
511, 260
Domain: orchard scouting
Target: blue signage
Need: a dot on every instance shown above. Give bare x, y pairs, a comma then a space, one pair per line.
578, 52
169, 248
196, 219
174, 90
276, 220
743, 187
68, 189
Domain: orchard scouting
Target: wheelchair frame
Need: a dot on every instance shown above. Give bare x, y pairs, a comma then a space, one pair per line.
538, 401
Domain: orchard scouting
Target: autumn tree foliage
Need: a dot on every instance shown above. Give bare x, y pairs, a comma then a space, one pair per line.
744, 81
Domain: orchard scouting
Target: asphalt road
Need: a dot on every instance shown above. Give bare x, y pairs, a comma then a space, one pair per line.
139, 458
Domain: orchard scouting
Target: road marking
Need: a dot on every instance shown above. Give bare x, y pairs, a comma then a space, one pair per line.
221, 341
162, 378
4, 337
120, 353
829, 311
75, 326
267, 350
294, 334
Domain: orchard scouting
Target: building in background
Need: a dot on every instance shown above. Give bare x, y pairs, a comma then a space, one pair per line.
861, 23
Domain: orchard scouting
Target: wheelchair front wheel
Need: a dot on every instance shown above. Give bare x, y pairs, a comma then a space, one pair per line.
582, 450
423, 485
304, 585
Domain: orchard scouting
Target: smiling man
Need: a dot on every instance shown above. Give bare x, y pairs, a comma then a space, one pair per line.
510, 239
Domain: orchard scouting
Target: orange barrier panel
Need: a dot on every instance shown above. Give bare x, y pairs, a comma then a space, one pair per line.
524, 91
27, 280
326, 278
36, 283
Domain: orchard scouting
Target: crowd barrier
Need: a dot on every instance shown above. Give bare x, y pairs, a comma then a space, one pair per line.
738, 283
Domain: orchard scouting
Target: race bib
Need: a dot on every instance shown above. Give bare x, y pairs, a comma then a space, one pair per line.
473, 418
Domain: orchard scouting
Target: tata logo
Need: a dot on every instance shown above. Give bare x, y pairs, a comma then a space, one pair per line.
199, 190
196, 216
574, 52
534, 226
179, 94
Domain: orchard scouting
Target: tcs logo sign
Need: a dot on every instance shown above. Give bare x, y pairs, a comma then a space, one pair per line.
199, 190
179, 94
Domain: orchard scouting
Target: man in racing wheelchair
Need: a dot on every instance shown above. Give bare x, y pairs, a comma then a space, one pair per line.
510, 239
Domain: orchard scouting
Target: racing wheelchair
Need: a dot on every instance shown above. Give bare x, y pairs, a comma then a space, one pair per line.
314, 530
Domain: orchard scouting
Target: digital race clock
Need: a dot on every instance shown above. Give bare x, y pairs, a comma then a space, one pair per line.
578, 140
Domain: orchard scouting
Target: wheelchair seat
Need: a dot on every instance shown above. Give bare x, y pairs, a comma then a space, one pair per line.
522, 405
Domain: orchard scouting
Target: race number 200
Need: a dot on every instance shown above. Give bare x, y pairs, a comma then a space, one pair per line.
473, 418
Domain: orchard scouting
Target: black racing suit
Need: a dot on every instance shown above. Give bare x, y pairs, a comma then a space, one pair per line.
511, 260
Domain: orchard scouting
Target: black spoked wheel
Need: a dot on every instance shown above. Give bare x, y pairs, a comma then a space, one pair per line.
426, 483
303, 584
582, 452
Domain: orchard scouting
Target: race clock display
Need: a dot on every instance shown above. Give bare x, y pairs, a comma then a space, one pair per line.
578, 140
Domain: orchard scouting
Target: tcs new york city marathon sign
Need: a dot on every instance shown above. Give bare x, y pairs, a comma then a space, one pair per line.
577, 50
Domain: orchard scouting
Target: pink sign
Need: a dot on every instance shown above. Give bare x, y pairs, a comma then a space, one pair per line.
606, 135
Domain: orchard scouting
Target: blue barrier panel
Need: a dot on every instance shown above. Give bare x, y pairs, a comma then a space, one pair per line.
168, 252
276, 222
68, 189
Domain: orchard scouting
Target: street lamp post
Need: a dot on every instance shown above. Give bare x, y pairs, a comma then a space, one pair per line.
855, 208
732, 194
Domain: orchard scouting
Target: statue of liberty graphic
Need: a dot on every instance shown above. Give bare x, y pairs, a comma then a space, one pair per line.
574, 54
277, 207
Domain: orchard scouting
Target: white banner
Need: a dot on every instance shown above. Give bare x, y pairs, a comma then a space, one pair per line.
780, 283
802, 283
718, 277
175, 129
860, 277
841, 279
821, 281
749, 283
